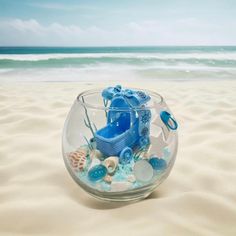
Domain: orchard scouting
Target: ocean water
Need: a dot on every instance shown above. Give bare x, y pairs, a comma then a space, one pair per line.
116, 63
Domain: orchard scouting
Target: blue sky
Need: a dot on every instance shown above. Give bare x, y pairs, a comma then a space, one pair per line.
108, 23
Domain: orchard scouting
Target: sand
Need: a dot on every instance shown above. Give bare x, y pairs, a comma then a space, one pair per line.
38, 196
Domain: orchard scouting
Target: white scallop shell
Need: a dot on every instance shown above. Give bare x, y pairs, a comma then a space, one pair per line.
111, 164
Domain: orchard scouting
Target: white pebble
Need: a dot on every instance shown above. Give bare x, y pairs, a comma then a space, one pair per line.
143, 171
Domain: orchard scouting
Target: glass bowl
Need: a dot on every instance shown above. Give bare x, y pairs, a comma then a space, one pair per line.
119, 143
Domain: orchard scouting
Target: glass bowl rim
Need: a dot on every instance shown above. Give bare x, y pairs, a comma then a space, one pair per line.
104, 108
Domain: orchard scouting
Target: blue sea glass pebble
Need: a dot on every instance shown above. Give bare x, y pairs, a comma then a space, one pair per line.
158, 163
97, 172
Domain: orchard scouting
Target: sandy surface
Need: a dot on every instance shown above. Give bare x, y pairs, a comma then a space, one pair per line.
37, 195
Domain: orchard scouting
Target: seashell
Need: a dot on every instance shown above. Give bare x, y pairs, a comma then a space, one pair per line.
131, 178
107, 179
95, 153
143, 171
120, 186
78, 159
84, 149
96, 173
111, 164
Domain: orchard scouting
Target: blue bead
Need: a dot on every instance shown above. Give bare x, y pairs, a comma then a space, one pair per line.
158, 164
97, 172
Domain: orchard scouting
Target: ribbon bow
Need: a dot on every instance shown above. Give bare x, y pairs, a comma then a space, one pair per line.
134, 98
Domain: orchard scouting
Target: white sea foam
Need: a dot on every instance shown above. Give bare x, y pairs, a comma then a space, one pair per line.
104, 66
38, 57
112, 73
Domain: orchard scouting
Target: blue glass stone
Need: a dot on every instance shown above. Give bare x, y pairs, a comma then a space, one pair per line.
97, 172
158, 163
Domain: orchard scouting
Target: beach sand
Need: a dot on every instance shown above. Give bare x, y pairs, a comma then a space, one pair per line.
38, 196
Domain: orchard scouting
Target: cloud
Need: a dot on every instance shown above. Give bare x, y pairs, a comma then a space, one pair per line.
187, 31
63, 7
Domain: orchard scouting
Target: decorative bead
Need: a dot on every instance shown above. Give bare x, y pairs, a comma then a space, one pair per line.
158, 163
97, 172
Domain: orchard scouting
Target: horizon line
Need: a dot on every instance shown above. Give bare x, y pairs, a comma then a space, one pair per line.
115, 46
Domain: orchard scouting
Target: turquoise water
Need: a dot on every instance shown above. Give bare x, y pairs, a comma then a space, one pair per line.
90, 63
145, 49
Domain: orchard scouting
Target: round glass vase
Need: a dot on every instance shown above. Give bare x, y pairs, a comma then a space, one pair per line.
139, 167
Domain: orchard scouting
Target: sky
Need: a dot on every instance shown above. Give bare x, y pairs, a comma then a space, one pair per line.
117, 23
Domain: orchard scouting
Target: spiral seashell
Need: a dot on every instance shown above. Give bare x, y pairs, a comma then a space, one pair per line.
111, 164
78, 159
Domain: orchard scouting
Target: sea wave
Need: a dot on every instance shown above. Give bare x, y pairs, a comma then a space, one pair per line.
107, 65
39, 57
125, 60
